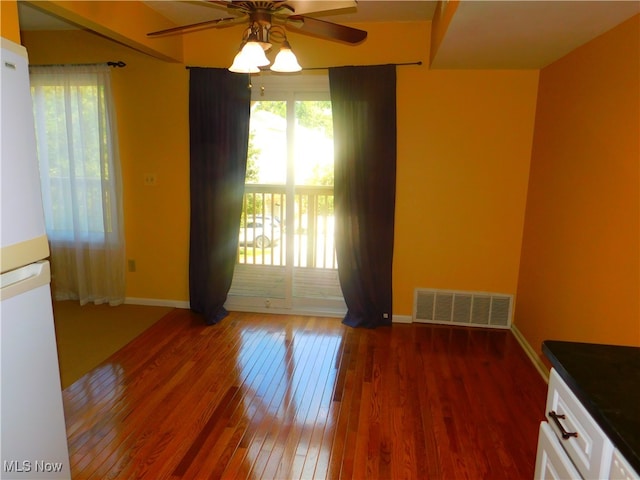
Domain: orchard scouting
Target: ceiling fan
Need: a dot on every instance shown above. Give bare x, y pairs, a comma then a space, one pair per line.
267, 21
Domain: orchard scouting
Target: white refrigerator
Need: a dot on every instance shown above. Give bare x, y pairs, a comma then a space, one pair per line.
33, 441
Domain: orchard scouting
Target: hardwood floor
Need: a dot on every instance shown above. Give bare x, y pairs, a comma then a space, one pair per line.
284, 397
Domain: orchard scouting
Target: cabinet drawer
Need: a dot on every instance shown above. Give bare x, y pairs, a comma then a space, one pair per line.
552, 461
587, 445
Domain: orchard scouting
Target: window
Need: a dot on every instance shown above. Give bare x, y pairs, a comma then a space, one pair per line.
80, 179
286, 256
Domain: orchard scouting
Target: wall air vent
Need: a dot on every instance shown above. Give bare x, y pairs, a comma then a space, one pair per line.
450, 307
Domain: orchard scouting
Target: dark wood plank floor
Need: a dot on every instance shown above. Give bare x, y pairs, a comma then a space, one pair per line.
285, 397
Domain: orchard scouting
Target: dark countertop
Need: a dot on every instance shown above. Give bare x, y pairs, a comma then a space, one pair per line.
606, 378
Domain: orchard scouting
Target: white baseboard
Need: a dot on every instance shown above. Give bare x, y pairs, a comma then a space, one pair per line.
402, 319
531, 353
153, 302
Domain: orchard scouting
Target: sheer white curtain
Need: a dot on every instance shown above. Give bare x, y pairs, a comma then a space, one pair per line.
81, 181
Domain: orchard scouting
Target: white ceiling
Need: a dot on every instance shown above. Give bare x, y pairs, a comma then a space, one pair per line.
525, 34
483, 34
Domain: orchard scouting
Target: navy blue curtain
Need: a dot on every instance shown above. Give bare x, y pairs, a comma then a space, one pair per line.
219, 111
363, 103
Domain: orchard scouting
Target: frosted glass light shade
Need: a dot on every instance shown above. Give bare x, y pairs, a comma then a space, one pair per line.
241, 65
286, 60
249, 59
254, 53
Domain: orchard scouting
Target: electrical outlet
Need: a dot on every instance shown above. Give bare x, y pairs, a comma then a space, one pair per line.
132, 265
150, 179
267, 302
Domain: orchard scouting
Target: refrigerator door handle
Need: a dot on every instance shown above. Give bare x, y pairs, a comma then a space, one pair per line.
23, 279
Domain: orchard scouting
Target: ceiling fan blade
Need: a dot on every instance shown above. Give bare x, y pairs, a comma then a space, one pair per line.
218, 22
334, 31
316, 7
225, 3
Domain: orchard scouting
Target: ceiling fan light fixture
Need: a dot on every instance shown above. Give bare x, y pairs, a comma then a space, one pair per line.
267, 22
286, 61
241, 65
254, 54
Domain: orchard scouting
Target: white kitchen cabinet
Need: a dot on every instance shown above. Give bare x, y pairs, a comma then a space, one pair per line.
620, 468
571, 445
551, 460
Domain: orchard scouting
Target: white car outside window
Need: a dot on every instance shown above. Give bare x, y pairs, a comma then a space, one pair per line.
260, 232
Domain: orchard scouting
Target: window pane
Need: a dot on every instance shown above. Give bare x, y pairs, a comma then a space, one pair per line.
267, 157
314, 218
313, 143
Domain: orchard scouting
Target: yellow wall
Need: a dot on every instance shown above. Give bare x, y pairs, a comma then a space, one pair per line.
463, 161
580, 263
464, 141
9, 28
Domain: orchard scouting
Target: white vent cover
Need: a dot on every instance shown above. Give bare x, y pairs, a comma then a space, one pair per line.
476, 309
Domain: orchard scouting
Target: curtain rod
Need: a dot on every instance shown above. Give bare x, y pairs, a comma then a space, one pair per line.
119, 63
326, 68
395, 64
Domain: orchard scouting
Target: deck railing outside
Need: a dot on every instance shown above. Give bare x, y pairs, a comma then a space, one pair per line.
263, 235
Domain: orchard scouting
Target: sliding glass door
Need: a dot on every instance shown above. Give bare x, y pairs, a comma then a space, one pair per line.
286, 256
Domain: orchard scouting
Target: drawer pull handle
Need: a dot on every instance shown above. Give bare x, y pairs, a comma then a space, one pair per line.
556, 418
